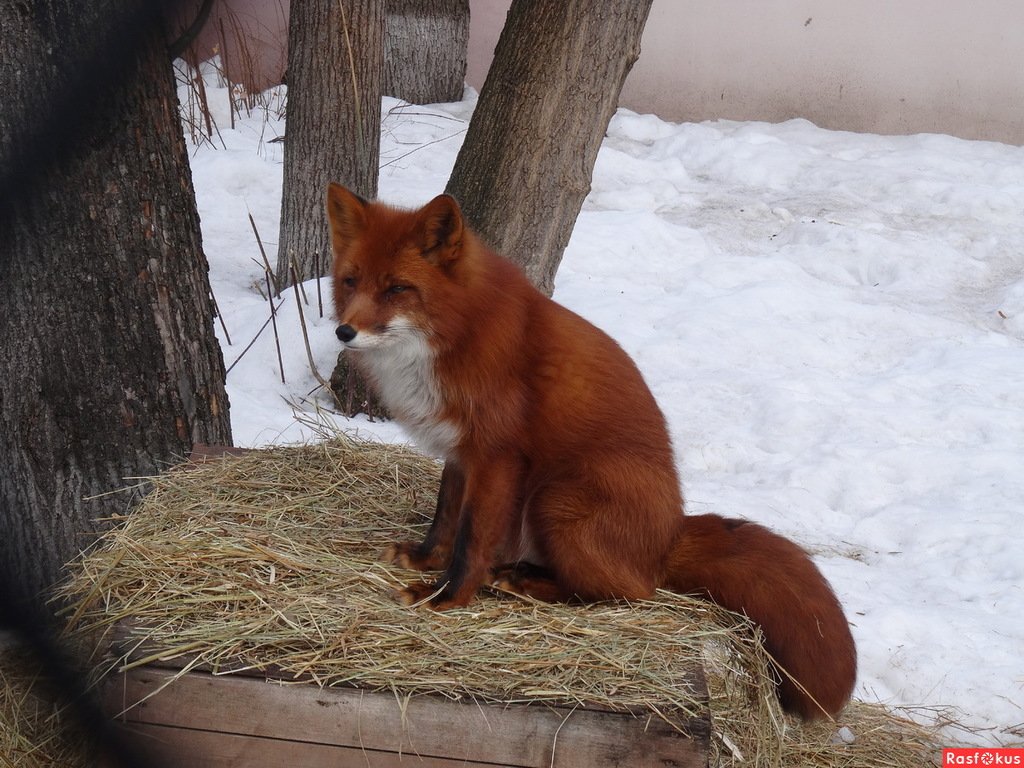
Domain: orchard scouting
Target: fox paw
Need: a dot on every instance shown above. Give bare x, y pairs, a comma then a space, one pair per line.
398, 554
529, 581
433, 594
410, 555
505, 578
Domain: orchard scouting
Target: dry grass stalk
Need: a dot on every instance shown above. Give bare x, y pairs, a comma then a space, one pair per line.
33, 733
269, 560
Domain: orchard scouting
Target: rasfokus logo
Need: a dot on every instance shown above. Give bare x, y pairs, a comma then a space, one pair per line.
982, 757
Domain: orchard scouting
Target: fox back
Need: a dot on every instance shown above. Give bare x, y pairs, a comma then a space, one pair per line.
560, 480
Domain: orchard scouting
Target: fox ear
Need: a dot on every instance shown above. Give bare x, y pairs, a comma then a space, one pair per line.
346, 212
440, 230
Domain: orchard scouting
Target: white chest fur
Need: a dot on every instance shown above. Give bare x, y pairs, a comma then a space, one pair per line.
402, 371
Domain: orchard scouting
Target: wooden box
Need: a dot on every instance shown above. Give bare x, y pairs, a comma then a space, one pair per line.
264, 719
201, 720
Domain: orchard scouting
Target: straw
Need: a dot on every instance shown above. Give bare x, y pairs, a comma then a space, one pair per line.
35, 732
269, 561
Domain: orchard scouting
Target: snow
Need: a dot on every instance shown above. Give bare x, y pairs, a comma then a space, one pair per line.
832, 322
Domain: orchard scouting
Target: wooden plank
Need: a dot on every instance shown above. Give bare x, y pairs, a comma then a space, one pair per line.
212, 749
430, 726
201, 453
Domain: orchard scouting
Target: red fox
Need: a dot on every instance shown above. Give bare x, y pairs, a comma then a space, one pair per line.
547, 490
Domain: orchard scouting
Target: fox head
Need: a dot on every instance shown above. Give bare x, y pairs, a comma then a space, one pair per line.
395, 271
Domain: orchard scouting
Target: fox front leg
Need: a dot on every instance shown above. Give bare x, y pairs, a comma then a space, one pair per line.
491, 497
434, 553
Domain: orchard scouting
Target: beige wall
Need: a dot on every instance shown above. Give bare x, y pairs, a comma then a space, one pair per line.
252, 33
881, 66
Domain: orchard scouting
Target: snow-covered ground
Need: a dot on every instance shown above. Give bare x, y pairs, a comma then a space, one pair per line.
832, 322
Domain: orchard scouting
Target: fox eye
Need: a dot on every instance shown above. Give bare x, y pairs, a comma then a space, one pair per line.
397, 288
349, 282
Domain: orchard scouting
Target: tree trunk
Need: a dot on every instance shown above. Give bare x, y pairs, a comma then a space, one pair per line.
333, 130
109, 366
333, 134
425, 50
526, 164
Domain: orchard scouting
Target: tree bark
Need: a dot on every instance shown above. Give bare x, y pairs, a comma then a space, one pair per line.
333, 134
425, 50
526, 164
109, 366
333, 114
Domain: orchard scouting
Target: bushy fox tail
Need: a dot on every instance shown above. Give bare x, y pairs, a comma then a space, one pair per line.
748, 569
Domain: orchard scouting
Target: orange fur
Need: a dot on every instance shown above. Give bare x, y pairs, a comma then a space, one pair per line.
559, 478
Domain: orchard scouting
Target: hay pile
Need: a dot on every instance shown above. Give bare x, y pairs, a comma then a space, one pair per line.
269, 560
35, 730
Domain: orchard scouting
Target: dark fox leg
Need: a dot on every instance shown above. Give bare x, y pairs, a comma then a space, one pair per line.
434, 553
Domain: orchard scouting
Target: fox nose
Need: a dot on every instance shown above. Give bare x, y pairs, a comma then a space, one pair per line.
345, 333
